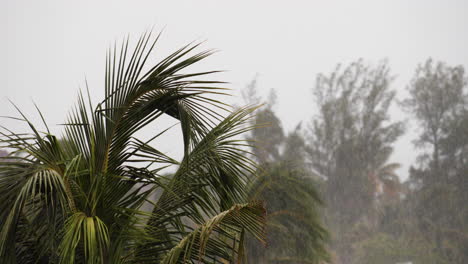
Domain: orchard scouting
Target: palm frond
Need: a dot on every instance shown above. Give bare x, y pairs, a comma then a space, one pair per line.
78, 198
219, 231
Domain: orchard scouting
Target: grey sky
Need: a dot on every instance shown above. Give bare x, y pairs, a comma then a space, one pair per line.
49, 47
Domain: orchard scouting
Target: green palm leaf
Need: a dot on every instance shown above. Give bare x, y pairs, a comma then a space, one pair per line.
78, 198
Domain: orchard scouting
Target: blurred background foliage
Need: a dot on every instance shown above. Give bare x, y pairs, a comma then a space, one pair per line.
336, 173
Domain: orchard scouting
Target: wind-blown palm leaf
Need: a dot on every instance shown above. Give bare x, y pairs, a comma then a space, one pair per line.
84, 192
211, 179
226, 224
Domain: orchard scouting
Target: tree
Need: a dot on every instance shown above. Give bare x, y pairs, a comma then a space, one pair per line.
77, 199
295, 230
350, 140
269, 134
438, 100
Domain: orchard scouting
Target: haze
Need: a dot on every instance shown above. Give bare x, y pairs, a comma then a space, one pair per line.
50, 47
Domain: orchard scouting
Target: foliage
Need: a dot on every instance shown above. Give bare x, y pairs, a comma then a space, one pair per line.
77, 199
350, 144
295, 232
383, 248
438, 100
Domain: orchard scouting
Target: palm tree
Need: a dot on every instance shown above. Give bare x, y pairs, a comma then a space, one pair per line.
295, 231
77, 198
386, 182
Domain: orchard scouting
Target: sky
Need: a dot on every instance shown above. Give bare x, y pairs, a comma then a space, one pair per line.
49, 48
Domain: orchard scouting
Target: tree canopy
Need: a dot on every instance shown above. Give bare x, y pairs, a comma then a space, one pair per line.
77, 197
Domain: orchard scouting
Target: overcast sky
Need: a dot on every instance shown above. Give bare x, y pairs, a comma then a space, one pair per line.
48, 48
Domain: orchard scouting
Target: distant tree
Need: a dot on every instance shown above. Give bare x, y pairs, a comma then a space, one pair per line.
350, 140
269, 133
387, 182
438, 100
295, 233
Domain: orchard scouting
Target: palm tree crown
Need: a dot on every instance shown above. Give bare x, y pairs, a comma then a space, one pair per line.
78, 198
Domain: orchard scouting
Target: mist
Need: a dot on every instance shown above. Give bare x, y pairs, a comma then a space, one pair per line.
363, 124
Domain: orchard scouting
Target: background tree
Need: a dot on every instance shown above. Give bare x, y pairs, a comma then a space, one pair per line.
350, 140
295, 233
269, 134
438, 101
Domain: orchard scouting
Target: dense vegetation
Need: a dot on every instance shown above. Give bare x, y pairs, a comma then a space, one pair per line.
372, 216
